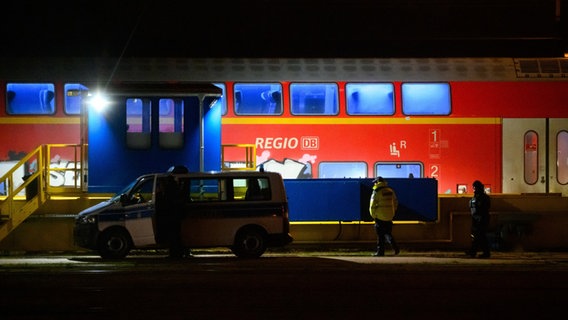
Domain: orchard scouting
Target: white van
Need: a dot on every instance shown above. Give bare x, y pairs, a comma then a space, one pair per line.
246, 211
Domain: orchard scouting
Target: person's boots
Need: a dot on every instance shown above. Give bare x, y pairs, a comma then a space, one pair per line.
380, 252
395, 247
470, 253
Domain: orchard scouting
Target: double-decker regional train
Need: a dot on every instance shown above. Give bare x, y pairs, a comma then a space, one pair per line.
503, 121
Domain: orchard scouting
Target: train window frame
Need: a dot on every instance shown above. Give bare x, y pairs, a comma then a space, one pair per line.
531, 156
73, 98
340, 165
221, 101
139, 138
355, 100
263, 98
414, 103
171, 110
298, 93
562, 164
37, 98
399, 165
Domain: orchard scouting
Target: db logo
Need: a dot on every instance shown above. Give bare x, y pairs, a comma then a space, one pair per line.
310, 143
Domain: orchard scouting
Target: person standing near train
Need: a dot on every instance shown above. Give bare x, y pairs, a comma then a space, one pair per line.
479, 206
382, 207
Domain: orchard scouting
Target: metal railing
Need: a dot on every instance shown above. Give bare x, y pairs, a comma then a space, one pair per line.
238, 157
34, 178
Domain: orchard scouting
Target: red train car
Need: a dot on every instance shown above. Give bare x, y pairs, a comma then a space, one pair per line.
503, 121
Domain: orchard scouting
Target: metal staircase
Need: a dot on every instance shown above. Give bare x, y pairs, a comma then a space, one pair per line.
26, 186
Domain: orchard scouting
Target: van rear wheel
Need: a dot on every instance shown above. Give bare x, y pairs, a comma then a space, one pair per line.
249, 243
114, 244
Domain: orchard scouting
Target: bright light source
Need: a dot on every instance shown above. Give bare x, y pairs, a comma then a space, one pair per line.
99, 102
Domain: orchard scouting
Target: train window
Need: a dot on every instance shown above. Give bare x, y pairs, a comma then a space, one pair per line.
426, 99
138, 123
30, 98
73, 97
531, 157
399, 169
370, 98
258, 99
342, 169
170, 123
314, 99
562, 157
221, 101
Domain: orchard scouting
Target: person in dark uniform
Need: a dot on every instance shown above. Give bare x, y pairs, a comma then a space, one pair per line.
479, 206
382, 208
171, 215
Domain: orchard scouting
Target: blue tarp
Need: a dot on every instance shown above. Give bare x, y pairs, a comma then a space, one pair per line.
348, 199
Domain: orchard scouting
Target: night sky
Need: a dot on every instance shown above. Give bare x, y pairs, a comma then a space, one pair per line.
293, 28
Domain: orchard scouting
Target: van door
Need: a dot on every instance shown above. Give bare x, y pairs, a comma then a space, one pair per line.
535, 156
139, 212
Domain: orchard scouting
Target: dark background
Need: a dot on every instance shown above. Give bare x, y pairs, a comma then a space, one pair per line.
278, 28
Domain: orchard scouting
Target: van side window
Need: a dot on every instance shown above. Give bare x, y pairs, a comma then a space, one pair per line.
142, 192
207, 189
252, 189
238, 189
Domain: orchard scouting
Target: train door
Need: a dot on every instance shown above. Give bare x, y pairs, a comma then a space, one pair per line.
535, 156
149, 128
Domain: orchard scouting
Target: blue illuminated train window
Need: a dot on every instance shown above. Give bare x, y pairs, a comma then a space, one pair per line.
314, 98
399, 169
138, 123
170, 123
221, 101
370, 98
73, 97
426, 99
30, 98
342, 169
258, 99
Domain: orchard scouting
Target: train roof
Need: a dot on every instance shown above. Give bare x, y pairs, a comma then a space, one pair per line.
143, 89
104, 70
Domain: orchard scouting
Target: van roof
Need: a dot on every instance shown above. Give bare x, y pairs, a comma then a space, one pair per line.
229, 174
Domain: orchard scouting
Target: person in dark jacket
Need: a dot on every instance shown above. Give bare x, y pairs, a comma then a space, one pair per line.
479, 206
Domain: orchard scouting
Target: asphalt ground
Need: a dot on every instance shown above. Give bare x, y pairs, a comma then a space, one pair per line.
544, 259
292, 283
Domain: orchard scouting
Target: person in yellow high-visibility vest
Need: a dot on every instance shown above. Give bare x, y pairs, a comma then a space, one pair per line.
382, 208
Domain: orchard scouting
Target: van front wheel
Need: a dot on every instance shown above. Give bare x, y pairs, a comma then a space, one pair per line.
249, 243
114, 244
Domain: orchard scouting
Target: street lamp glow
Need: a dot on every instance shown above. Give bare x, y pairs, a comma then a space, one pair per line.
99, 102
